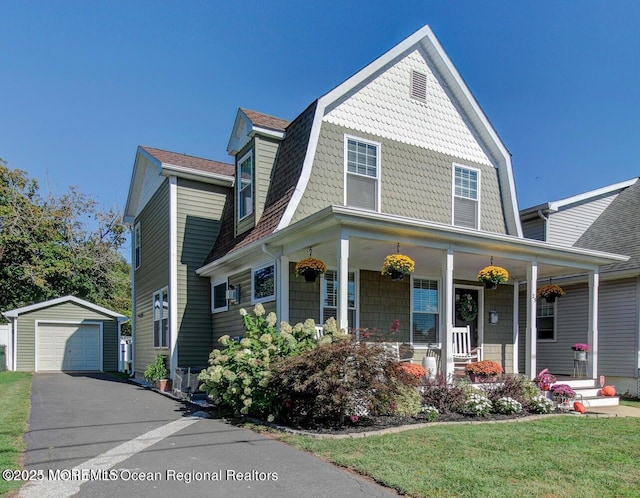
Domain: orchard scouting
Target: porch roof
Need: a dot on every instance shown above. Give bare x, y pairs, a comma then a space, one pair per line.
374, 235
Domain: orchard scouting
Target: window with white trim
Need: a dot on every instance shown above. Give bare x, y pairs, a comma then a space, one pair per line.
136, 244
244, 184
425, 316
362, 173
263, 284
545, 320
329, 297
161, 318
219, 300
466, 197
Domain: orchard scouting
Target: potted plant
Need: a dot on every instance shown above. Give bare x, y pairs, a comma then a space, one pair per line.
580, 351
563, 394
158, 374
484, 371
550, 292
544, 380
310, 268
492, 275
397, 265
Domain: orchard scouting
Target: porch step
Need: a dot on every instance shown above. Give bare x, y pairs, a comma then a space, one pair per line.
592, 402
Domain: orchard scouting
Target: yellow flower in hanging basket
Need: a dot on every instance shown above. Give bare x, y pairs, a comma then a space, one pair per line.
398, 263
313, 265
493, 274
550, 291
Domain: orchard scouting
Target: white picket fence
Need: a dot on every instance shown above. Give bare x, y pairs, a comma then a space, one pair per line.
5, 335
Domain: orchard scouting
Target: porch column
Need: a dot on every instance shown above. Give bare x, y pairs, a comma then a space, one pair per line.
532, 329
343, 282
446, 353
516, 325
282, 309
592, 333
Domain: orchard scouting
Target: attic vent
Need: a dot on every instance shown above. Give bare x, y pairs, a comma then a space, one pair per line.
419, 86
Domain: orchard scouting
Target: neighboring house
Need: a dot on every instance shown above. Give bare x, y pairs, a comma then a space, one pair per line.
63, 334
399, 157
605, 219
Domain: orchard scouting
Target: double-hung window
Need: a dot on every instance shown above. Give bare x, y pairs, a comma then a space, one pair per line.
545, 320
425, 315
329, 297
161, 318
263, 284
362, 174
245, 186
466, 197
219, 296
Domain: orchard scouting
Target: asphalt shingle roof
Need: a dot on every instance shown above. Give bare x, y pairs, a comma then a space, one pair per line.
285, 175
266, 121
617, 230
191, 162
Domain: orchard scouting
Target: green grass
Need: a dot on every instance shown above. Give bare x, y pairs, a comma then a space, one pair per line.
559, 456
630, 402
15, 404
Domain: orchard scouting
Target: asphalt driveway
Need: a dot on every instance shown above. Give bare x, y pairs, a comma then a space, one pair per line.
93, 435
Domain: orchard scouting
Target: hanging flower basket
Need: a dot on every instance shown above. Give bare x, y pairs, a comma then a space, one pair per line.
397, 265
310, 268
491, 276
550, 292
467, 308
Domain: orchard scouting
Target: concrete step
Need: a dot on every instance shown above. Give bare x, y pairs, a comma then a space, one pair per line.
578, 383
592, 402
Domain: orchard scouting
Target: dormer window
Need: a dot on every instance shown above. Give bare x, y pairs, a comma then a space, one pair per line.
244, 185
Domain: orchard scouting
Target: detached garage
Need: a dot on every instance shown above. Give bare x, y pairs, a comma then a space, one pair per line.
64, 334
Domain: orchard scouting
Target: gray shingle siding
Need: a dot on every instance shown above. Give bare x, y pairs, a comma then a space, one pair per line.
415, 182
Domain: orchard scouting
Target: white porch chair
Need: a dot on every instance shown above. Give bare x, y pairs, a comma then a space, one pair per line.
462, 351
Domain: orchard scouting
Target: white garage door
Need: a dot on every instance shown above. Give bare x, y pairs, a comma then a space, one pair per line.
68, 347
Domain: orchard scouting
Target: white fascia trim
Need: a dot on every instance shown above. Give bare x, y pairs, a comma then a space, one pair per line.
132, 199
173, 274
555, 205
258, 130
195, 174
305, 174
32, 307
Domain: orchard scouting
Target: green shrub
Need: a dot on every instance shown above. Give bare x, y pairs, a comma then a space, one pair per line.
337, 380
239, 373
517, 387
157, 370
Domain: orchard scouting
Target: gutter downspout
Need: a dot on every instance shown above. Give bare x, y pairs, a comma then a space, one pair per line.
546, 224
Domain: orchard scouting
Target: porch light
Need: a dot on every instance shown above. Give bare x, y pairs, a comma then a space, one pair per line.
233, 294
493, 317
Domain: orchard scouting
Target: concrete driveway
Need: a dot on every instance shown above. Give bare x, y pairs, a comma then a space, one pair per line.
93, 435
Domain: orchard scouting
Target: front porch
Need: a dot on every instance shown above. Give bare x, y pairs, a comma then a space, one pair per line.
423, 305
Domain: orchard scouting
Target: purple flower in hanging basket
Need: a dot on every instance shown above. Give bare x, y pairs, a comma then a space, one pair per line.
581, 347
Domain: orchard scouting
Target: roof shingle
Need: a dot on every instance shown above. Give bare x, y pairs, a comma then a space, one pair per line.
190, 162
285, 175
266, 121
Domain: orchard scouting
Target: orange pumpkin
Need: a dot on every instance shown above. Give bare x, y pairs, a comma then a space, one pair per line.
579, 407
608, 391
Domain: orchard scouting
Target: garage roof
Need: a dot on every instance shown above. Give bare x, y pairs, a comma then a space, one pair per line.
52, 302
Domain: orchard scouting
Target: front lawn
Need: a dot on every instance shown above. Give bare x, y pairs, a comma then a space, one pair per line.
559, 456
15, 404
635, 403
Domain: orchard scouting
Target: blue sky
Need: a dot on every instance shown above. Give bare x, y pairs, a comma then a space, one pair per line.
84, 82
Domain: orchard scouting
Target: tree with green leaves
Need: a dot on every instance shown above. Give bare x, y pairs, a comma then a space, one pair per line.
56, 246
